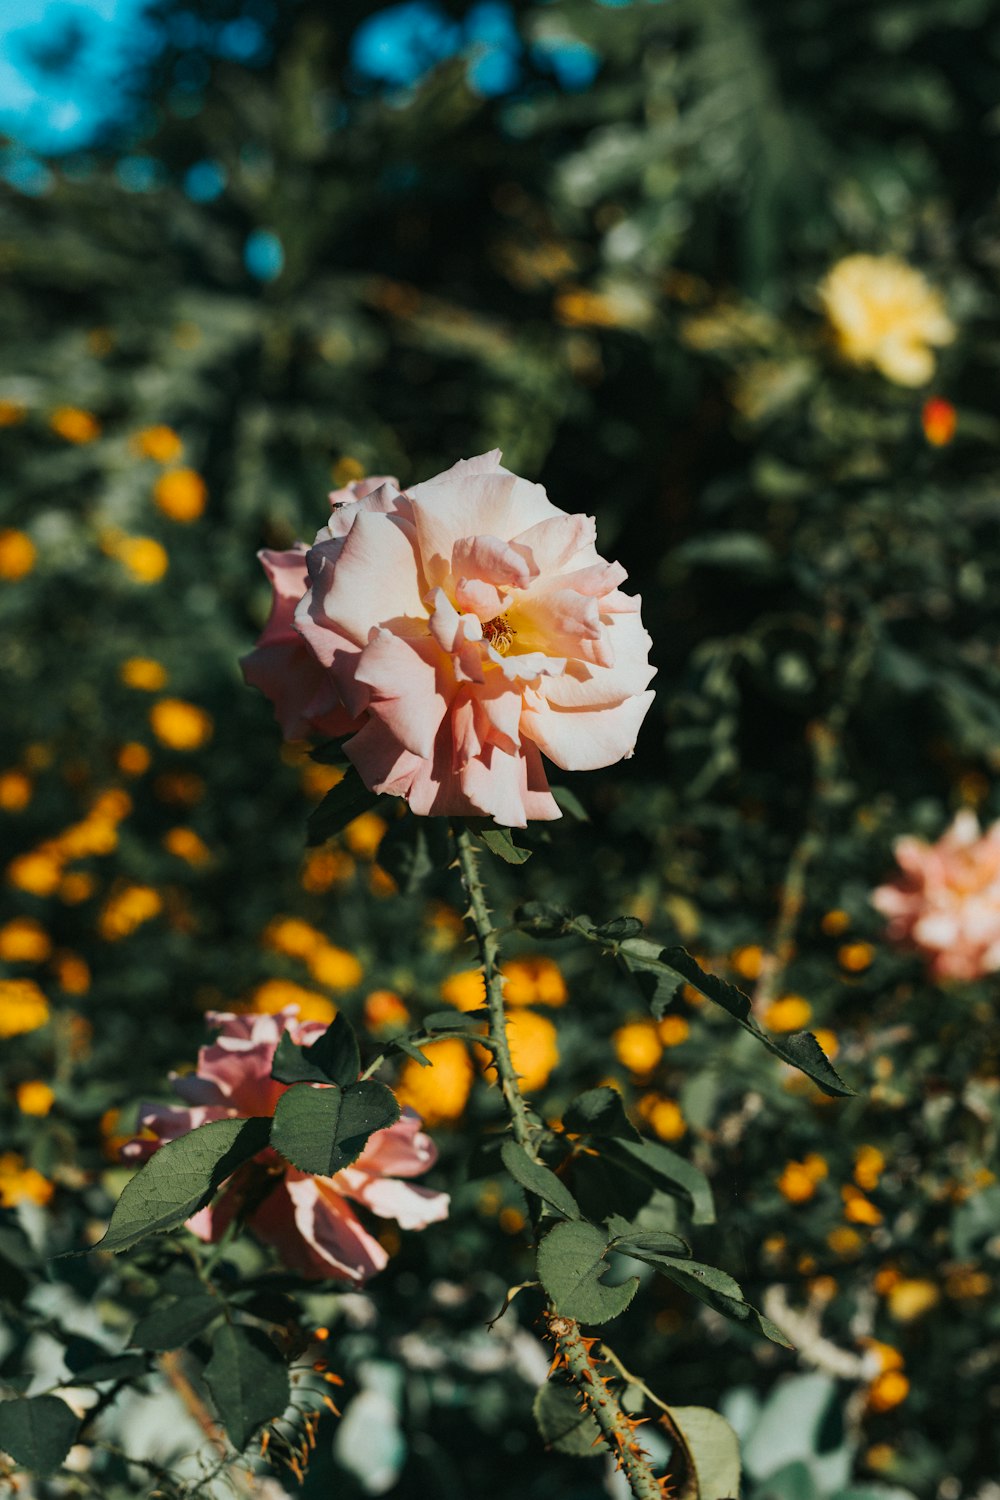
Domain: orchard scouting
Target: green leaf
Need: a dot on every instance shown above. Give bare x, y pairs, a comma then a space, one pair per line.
454, 1020
713, 1287
180, 1178
664, 1168
341, 805
541, 919
631, 1239
91, 1364
537, 1179
500, 841
569, 802
330, 753
619, 928
177, 1323
322, 1130
570, 1264
332, 1058
561, 1422
247, 1380
414, 849
37, 1432
709, 1453
599, 1112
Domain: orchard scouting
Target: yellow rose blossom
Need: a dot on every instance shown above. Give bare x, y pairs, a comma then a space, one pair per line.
74, 425
534, 1048
180, 725
888, 1390
15, 791
855, 957
11, 412
37, 872
181, 494
789, 1013
144, 557
72, 973
910, 1298
533, 980
334, 967
638, 1046
292, 936
35, 1097
127, 909
465, 991
673, 1030
438, 1093
17, 554
143, 673
185, 844
133, 759
885, 313
857, 1208
385, 1011
76, 887
274, 994
23, 1007
869, 1164
748, 962
364, 834
835, 922
663, 1116
21, 1184
324, 868
160, 443
24, 941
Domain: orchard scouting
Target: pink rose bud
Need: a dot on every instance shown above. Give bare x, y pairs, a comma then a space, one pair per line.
463, 628
945, 901
308, 1220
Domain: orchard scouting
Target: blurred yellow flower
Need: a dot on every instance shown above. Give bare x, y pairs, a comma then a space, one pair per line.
15, 791
466, 990
857, 1208
143, 557
11, 412
438, 1093
72, 973
160, 443
180, 725
869, 1164
185, 844
274, 994
35, 1097
534, 1048
181, 494
828, 1040
143, 673
885, 313
663, 1116
835, 922
939, 419
910, 1299
292, 936
533, 980
855, 957
17, 554
37, 872
317, 780
74, 425
334, 967
21, 1184
133, 759
127, 909
796, 1183
638, 1046
888, 1390
323, 868
23, 1007
790, 1013
966, 1282
385, 1010
364, 834
844, 1241
76, 887
673, 1030
23, 940
748, 962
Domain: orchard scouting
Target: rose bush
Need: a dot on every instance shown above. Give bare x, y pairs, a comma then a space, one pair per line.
459, 630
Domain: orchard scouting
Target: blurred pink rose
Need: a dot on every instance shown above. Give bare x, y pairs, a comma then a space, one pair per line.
945, 902
466, 626
308, 1220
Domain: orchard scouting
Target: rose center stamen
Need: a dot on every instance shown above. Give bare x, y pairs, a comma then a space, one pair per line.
499, 634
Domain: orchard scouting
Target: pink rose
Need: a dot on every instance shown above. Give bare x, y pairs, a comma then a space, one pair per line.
467, 627
309, 1220
945, 902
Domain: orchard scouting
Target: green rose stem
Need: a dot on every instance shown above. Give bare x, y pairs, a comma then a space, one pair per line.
572, 1348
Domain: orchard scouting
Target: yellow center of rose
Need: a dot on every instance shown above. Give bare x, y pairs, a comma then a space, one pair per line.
499, 634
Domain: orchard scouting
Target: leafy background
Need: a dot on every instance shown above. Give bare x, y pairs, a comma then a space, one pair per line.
589, 235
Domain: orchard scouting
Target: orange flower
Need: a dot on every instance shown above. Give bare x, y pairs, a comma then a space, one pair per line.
939, 420
17, 555
143, 673
160, 443
790, 1013
385, 1010
181, 494
438, 1093
128, 909
21, 1184
15, 791
185, 844
180, 725
275, 994
638, 1046
35, 1097
74, 425
533, 980
24, 941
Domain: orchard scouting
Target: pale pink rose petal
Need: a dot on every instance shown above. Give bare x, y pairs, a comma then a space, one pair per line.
411, 1207
409, 691
587, 739
328, 1237
401, 1150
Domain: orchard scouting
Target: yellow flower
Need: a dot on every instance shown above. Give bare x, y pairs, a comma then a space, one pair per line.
143, 673
346, 470
534, 1048
364, 834
673, 1030
11, 412
844, 1241
438, 1093
17, 554
37, 872
966, 1283
663, 1116
910, 1299
446, 925
274, 994
15, 791
323, 868
796, 1183
857, 1208
181, 494
133, 759
35, 1097
533, 980
790, 1013
385, 1011
76, 887
24, 941
21, 1184
748, 962
835, 922
465, 991
180, 725
72, 973
185, 844
292, 936
160, 443
143, 557
828, 1040
885, 313
869, 1164
128, 909
856, 957
888, 1390
23, 1007
638, 1046
317, 780
74, 425
334, 967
